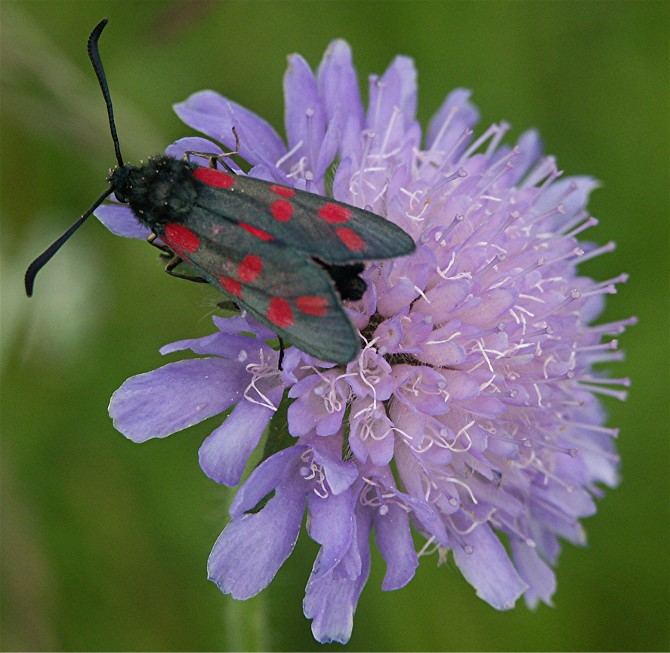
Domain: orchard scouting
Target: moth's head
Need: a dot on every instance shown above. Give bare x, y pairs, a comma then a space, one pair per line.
120, 179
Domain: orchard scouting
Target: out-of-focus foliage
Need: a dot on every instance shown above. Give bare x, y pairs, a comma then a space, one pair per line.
104, 542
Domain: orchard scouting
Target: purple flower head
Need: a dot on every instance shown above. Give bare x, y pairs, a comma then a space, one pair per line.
472, 411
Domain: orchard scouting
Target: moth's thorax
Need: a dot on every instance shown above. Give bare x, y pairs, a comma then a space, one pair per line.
159, 191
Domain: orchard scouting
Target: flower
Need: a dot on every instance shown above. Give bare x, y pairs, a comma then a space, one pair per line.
472, 412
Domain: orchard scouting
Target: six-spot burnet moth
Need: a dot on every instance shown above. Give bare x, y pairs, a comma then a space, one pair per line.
287, 256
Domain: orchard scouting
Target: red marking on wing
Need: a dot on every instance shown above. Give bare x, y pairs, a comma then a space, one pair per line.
312, 305
352, 241
279, 312
334, 213
214, 178
281, 210
231, 285
255, 231
284, 191
249, 268
181, 238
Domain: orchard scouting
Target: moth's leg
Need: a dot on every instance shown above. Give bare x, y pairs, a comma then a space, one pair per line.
228, 305
221, 158
280, 362
213, 159
173, 263
237, 140
166, 252
223, 155
217, 158
205, 155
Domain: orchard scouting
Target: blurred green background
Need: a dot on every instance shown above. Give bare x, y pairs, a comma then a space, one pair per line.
104, 542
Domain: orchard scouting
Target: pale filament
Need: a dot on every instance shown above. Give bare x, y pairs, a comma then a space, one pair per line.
259, 371
314, 473
373, 496
457, 481
475, 522
373, 378
289, 154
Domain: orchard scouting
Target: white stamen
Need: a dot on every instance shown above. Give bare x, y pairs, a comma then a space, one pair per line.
444, 127
591, 222
259, 371
449, 339
289, 154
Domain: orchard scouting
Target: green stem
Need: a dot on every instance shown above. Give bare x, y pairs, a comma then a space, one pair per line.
246, 624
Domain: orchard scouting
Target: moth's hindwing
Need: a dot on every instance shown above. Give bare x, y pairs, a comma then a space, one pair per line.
318, 226
282, 287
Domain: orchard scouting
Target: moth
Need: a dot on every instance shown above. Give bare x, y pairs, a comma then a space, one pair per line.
287, 256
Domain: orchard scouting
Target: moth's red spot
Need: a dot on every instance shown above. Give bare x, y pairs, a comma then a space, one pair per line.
281, 210
352, 241
255, 231
312, 305
284, 191
181, 238
334, 213
214, 178
249, 268
279, 313
231, 285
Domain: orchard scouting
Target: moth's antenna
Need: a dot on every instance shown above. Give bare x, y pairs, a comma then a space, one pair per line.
94, 56
48, 253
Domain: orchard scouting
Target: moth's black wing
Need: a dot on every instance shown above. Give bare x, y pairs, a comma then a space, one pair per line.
321, 227
283, 288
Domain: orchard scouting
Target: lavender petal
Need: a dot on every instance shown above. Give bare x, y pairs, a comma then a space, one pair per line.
216, 115
175, 396
537, 573
393, 537
330, 600
456, 115
253, 547
265, 478
304, 113
485, 565
331, 524
121, 221
224, 454
338, 87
